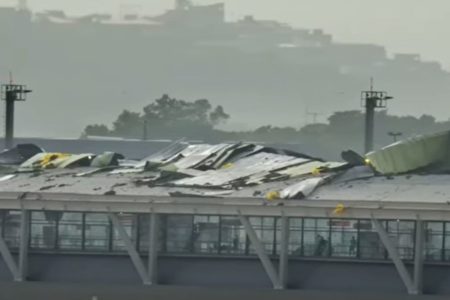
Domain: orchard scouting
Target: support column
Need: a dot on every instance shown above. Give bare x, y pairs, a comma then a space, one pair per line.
8, 258
131, 249
284, 254
395, 256
259, 248
24, 245
419, 256
153, 248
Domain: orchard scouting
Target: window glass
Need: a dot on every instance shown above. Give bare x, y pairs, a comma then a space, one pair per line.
402, 234
97, 232
295, 236
12, 228
265, 230
206, 234
43, 230
344, 238
447, 242
70, 231
233, 236
316, 237
179, 234
434, 237
144, 232
2, 218
370, 245
128, 222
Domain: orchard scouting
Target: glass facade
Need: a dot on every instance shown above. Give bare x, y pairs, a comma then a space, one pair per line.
70, 231
97, 232
434, 241
233, 239
43, 230
344, 238
128, 222
11, 228
265, 230
179, 234
369, 243
224, 235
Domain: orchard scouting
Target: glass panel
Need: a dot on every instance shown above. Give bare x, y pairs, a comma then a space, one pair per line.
295, 236
2, 217
316, 237
144, 229
12, 228
43, 230
447, 242
233, 237
70, 231
97, 232
206, 234
128, 222
179, 234
402, 236
265, 230
370, 245
434, 237
344, 235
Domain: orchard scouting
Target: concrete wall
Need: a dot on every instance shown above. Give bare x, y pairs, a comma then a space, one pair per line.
229, 272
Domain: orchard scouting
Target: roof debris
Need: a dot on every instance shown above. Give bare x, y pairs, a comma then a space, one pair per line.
200, 170
236, 170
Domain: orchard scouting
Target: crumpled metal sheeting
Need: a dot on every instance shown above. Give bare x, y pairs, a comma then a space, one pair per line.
166, 155
217, 159
195, 154
310, 167
413, 154
258, 163
303, 188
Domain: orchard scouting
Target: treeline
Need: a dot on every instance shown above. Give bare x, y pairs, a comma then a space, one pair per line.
171, 118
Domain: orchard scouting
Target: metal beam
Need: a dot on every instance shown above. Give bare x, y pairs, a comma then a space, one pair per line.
153, 248
8, 259
24, 245
211, 206
284, 254
419, 256
260, 251
131, 249
395, 256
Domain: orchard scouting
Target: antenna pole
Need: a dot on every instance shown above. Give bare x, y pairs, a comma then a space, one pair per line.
10, 94
372, 100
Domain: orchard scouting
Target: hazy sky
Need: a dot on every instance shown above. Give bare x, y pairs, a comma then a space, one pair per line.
419, 26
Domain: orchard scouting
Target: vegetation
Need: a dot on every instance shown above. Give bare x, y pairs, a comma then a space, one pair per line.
170, 118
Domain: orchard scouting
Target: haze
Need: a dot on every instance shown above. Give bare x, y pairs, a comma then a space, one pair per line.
97, 72
415, 26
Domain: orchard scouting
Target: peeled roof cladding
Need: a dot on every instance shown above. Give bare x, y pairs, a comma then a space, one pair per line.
222, 170
427, 153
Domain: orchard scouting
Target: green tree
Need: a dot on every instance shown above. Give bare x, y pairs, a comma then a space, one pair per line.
96, 130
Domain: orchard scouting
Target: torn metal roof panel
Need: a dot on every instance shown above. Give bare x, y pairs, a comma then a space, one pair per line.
413, 154
195, 154
255, 164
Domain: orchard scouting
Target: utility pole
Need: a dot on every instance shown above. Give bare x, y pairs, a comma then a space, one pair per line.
11, 93
395, 135
372, 100
145, 130
314, 116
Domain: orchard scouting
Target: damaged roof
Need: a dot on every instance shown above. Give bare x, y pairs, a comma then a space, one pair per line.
405, 171
223, 170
